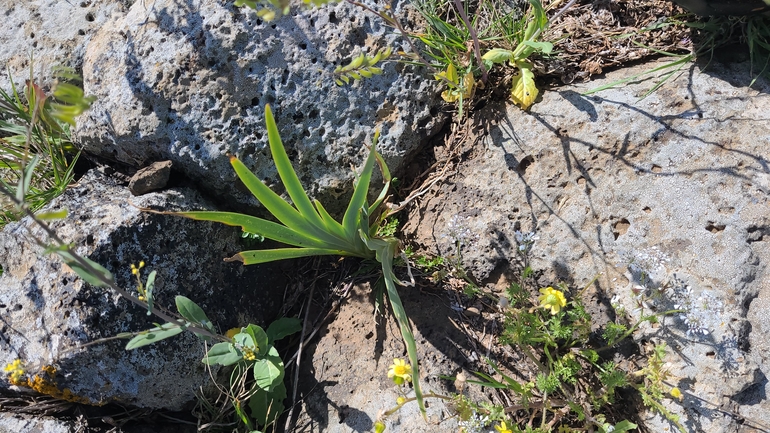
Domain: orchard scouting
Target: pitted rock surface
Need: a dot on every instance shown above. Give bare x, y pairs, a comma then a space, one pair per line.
189, 81
668, 193
45, 34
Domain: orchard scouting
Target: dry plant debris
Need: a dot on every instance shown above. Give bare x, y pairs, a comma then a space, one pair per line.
594, 35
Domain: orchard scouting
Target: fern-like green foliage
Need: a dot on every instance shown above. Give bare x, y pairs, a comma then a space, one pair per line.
361, 67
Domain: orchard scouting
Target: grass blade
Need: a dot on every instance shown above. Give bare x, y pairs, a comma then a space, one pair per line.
681, 62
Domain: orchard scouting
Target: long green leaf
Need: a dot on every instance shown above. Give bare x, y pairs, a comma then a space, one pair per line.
358, 201
148, 290
262, 227
386, 250
386, 177
83, 272
287, 173
278, 207
192, 312
331, 224
263, 256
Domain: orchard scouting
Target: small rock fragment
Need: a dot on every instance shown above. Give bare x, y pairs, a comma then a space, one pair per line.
151, 178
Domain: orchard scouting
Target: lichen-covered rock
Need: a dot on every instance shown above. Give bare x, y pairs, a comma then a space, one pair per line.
189, 81
52, 33
48, 311
665, 194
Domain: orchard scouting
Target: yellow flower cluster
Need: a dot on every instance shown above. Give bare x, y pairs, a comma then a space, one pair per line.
140, 287
44, 383
135, 269
16, 372
249, 354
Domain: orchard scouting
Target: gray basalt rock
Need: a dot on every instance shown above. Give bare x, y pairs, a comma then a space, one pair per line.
667, 194
188, 81
53, 33
10, 423
48, 311
151, 178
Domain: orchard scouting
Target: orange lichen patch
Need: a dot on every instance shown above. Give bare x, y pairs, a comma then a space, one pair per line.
46, 384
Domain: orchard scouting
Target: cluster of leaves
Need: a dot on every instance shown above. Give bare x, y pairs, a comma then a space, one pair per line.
454, 42
459, 87
575, 384
253, 349
524, 91
35, 131
249, 349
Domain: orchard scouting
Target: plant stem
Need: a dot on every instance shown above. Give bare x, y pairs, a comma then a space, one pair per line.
474, 37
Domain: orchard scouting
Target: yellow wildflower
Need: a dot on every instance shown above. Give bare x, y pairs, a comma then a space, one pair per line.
552, 299
400, 401
503, 427
135, 269
676, 393
400, 371
16, 370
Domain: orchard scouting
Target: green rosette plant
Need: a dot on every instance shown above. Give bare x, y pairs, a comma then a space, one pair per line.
308, 229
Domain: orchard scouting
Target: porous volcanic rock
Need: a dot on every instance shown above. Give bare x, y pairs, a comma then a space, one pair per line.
48, 311
50, 34
188, 81
667, 194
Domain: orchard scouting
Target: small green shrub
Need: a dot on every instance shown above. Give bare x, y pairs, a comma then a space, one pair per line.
35, 132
